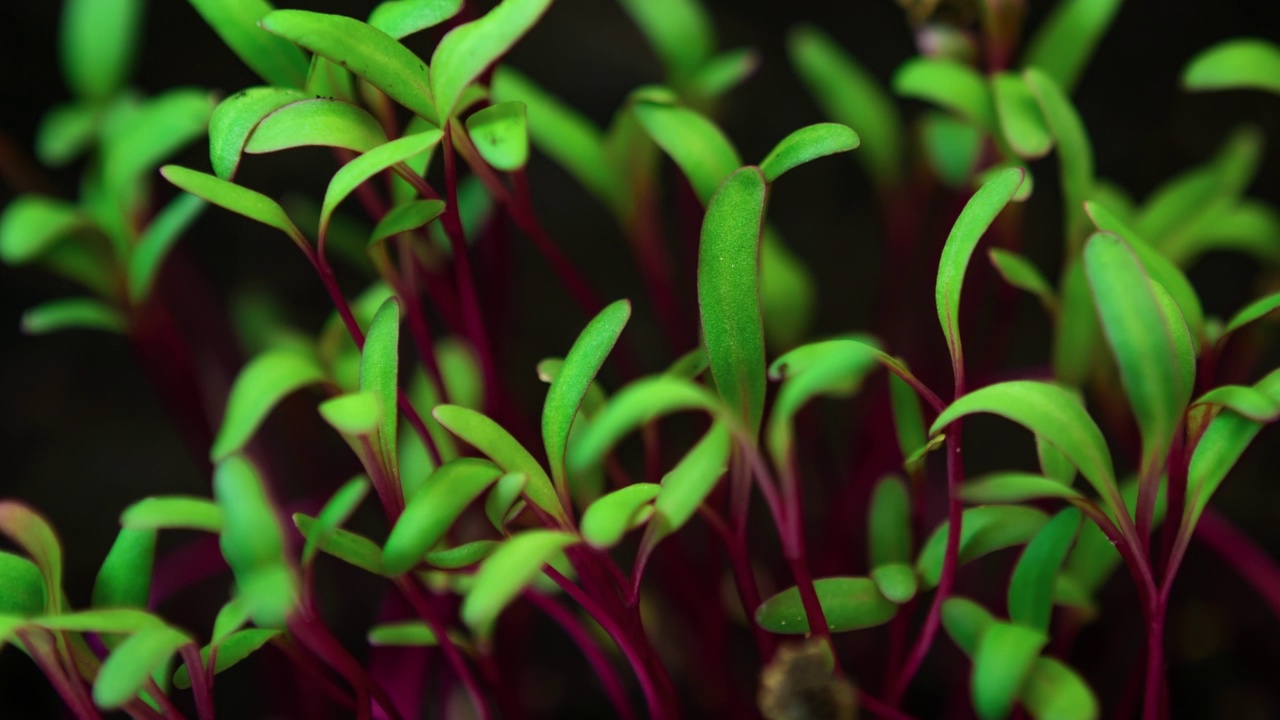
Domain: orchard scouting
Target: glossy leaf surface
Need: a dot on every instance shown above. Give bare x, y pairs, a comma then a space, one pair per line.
501, 135
1021, 121
235, 118
433, 509
609, 518
316, 121
253, 205
467, 50
806, 144
1015, 487
361, 169
848, 603
400, 18
380, 374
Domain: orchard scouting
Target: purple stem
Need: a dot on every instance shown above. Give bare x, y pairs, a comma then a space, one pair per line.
43, 652
1252, 563
596, 658
451, 653
308, 666
316, 636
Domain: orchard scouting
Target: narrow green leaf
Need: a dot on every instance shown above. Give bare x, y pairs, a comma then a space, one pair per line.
1221, 446
680, 32
235, 118
364, 50
34, 535
125, 577
504, 499
369, 164
1054, 414
975, 218
159, 128
788, 297
1252, 312
275, 60
501, 134
897, 581
983, 530
723, 72
607, 519
549, 369
1021, 273
380, 374
1008, 488
461, 556
410, 633
952, 147
688, 484
164, 231
849, 94
467, 50
966, 622
334, 513
66, 131
1078, 332
1053, 691
345, 545
1021, 121
353, 414
1141, 342
433, 509
316, 121
889, 523
1241, 63
258, 388
230, 618
1063, 44
173, 512
23, 582
951, 85
1075, 152
72, 313
105, 620
232, 649
908, 420
729, 293
1244, 225
1001, 664
1031, 587
401, 18
570, 386
328, 79
848, 603
506, 572
694, 143
1243, 400
805, 144
32, 224
252, 542
404, 217
830, 367
97, 42
132, 664
253, 205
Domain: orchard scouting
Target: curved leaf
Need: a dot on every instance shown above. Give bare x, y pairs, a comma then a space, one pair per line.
461, 556
501, 135
1243, 400
353, 414
66, 131
805, 144
1252, 312
1242, 63
952, 147
380, 374
1021, 121
729, 293
896, 581
164, 231
908, 420
1021, 273
359, 170
335, 512
723, 72
1008, 488
71, 313
1031, 587
31, 532
258, 388
32, 224
983, 530
345, 545
889, 523
607, 519
1065, 41
173, 512
966, 622
97, 41
107, 620
949, 84
401, 18
24, 594
404, 217
317, 121
680, 32
828, 367
410, 633
503, 502
125, 577
133, 147
232, 649
275, 60
241, 200
252, 542
848, 603
694, 143
433, 509
1078, 333
1001, 664
1075, 153
235, 118
132, 663
465, 52
1053, 691
688, 484
506, 572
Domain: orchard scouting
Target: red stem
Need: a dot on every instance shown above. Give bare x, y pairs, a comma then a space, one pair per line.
451, 653
200, 687
596, 658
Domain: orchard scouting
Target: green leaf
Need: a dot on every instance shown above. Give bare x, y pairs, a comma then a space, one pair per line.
231, 650
951, 85
132, 664
1243, 400
404, 217
1241, 63
729, 293
983, 530
1063, 44
1021, 273
952, 148
694, 143
249, 203
1141, 341
235, 118
316, 121
723, 72
334, 513
1008, 488
1221, 446
562, 133
359, 170
503, 501
975, 218
379, 374
1252, 312
1078, 332
570, 386
1031, 587
787, 293
1001, 664
173, 512
848, 603
353, 414
401, 18
409, 633
97, 41
125, 577
831, 367
607, 519
1053, 691
345, 545
66, 131
364, 50
497, 444
258, 388
889, 523
680, 32
1021, 121
106, 620
24, 587
506, 572
252, 542
966, 622
461, 556
1075, 153
908, 420
501, 135
1055, 415
34, 536
849, 94
467, 50
1243, 225
72, 313
805, 144
231, 617
549, 369
896, 581
275, 60
327, 79
133, 148
32, 224
433, 509
688, 484
164, 231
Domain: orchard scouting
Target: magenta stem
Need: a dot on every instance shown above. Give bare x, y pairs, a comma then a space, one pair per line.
200, 687
43, 652
596, 658
451, 652
1252, 563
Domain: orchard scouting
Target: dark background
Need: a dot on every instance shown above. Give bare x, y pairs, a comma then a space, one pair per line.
83, 433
